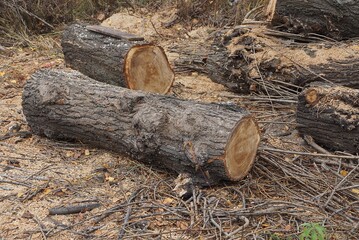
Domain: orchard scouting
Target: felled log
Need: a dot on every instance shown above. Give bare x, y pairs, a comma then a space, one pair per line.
333, 18
246, 60
212, 142
331, 116
123, 62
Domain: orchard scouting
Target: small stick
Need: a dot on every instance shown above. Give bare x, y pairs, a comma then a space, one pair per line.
311, 142
33, 193
15, 183
40, 226
217, 225
307, 153
128, 213
331, 162
125, 222
270, 10
246, 223
204, 210
338, 185
73, 209
154, 27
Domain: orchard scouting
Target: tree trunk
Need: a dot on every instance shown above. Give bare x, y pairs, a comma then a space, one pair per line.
331, 116
126, 63
212, 142
252, 60
333, 18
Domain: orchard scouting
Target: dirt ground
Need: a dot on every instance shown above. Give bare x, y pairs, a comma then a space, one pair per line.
283, 190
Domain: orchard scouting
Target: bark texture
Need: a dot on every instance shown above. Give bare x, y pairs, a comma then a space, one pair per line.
331, 116
212, 142
337, 19
251, 60
104, 58
98, 56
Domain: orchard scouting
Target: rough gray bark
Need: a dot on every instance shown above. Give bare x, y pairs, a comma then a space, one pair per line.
117, 61
334, 18
184, 136
247, 60
344, 73
331, 116
98, 56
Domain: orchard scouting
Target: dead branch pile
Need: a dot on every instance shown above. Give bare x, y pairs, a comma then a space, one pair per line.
284, 191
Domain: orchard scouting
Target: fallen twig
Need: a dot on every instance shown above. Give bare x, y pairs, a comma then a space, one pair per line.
128, 213
73, 209
339, 185
307, 153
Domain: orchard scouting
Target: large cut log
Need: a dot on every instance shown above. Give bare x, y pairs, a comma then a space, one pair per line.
212, 142
122, 62
331, 116
333, 18
252, 60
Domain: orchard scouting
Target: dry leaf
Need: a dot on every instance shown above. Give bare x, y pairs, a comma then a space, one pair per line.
355, 190
288, 227
46, 191
240, 205
343, 173
87, 152
182, 225
101, 16
109, 178
168, 200
2, 73
70, 154
20, 194
60, 192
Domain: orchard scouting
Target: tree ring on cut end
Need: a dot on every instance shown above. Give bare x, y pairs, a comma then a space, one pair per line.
311, 96
147, 68
241, 149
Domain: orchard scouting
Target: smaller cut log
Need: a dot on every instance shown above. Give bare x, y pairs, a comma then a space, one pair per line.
330, 114
211, 142
118, 61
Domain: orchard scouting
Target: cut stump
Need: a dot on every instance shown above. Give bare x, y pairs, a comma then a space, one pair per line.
330, 114
122, 62
211, 142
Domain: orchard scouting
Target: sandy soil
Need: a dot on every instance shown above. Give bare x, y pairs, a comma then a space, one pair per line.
37, 174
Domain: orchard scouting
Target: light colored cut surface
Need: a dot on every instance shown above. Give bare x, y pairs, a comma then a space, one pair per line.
147, 69
311, 96
241, 149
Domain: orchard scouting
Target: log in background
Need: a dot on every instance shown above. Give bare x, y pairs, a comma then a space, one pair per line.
333, 18
330, 114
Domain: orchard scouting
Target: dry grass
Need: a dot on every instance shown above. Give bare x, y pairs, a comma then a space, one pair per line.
216, 13
21, 18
